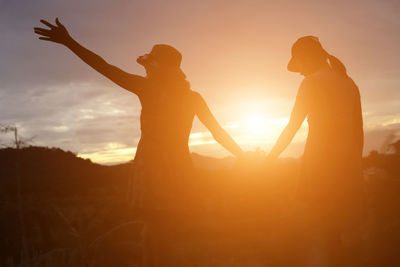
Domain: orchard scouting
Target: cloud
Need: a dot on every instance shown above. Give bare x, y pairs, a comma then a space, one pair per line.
76, 117
234, 53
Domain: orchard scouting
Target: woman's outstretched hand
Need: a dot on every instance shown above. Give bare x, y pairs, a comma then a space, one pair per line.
57, 33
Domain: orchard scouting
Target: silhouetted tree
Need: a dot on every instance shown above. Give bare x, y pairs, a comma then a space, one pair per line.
18, 141
396, 147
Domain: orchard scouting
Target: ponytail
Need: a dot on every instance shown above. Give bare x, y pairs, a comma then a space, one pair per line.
309, 46
337, 65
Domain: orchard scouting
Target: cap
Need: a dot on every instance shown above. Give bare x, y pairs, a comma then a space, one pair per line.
306, 45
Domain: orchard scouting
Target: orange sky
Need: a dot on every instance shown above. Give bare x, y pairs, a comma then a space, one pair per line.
234, 53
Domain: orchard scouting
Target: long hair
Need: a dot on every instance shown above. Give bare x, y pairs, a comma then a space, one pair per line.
337, 65
172, 80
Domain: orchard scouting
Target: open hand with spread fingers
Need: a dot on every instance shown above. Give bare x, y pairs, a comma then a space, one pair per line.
57, 33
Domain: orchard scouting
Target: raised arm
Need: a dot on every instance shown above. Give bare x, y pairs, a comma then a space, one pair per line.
220, 135
59, 34
296, 119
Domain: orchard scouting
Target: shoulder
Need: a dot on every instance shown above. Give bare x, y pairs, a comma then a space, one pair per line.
144, 81
318, 79
197, 101
196, 96
354, 87
306, 82
319, 76
305, 86
134, 81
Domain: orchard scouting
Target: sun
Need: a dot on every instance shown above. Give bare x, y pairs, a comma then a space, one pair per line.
255, 123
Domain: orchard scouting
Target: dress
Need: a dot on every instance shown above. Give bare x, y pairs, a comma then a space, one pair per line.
331, 177
162, 166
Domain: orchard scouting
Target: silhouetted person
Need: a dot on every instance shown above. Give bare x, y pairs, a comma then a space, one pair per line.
331, 177
163, 163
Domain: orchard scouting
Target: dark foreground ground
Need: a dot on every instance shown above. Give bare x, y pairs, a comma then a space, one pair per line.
60, 210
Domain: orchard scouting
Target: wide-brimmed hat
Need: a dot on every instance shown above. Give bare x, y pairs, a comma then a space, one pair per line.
166, 55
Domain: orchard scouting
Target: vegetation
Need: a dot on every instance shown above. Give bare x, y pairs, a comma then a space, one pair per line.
74, 213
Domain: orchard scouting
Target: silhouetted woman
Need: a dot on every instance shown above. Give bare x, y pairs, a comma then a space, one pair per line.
331, 178
163, 165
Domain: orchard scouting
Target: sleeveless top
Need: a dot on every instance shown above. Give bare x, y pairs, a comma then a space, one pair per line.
331, 163
162, 163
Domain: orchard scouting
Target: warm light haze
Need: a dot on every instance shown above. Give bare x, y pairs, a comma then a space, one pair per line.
235, 55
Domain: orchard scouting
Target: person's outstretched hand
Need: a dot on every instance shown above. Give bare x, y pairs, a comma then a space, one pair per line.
57, 33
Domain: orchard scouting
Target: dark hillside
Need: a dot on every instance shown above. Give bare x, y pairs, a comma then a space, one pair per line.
73, 212
52, 172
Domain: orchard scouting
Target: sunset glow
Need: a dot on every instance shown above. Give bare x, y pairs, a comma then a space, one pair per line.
240, 69
253, 132
207, 133
255, 124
